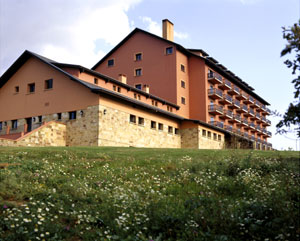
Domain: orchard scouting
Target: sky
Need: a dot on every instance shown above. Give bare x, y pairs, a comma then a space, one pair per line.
243, 35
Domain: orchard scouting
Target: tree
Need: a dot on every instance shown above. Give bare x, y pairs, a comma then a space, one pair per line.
292, 116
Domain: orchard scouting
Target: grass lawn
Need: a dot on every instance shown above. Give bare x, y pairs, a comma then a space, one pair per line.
87, 193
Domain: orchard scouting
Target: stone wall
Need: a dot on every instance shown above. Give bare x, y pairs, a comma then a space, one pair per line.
50, 134
200, 137
115, 129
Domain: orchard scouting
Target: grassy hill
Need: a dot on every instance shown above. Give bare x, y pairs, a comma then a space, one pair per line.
148, 194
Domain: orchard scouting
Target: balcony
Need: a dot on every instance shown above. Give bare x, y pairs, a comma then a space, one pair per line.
227, 99
234, 90
215, 109
265, 121
235, 104
243, 109
227, 114
269, 134
249, 100
252, 138
252, 126
245, 123
237, 131
214, 78
237, 118
264, 130
228, 128
242, 95
268, 111
226, 85
258, 128
251, 112
217, 123
257, 116
246, 135
215, 93
257, 104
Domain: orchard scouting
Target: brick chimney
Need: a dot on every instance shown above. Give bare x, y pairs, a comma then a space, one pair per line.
123, 78
168, 30
146, 88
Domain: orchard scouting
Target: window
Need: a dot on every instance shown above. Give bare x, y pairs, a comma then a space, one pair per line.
169, 108
139, 86
203, 132
59, 116
211, 119
138, 72
119, 89
138, 57
110, 62
48, 84
17, 89
176, 131
160, 126
169, 50
183, 100
72, 115
114, 87
0, 125
182, 84
132, 119
95, 81
209, 134
182, 67
141, 121
219, 137
31, 88
153, 124
135, 95
14, 124
170, 130
215, 136
40, 119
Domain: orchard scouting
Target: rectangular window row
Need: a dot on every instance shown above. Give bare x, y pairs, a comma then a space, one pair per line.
160, 127
209, 135
48, 84
133, 119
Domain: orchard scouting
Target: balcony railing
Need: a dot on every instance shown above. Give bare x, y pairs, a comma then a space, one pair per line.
215, 109
227, 99
268, 122
217, 123
263, 118
228, 128
257, 115
246, 135
245, 121
253, 138
214, 78
226, 85
268, 111
258, 128
269, 133
236, 103
252, 125
237, 117
251, 99
237, 89
244, 108
227, 114
264, 130
251, 111
215, 93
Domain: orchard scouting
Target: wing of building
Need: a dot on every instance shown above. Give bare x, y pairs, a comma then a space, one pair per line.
148, 91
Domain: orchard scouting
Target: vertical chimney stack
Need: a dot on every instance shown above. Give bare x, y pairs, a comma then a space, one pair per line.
146, 88
168, 30
123, 78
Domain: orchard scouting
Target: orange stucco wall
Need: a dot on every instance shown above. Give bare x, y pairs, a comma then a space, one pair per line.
158, 69
198, 89
66, 94
182, 59
138, 112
